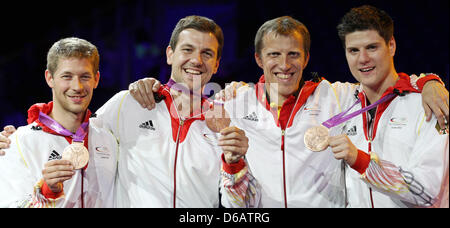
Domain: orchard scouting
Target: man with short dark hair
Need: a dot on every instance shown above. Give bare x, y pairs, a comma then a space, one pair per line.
169, 157
398, 159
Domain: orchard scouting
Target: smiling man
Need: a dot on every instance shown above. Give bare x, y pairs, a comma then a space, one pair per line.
398, 158
35, 171
165, 159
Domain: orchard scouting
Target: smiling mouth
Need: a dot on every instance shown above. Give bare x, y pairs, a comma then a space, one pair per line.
364, 70
192, 71
283, 75
77, 99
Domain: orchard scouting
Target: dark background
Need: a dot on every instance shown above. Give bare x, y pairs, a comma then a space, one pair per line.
132, 37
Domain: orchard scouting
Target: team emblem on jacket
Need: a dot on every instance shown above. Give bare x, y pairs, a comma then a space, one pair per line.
351, 132
251, 117
147, 125
54, 156
398, 122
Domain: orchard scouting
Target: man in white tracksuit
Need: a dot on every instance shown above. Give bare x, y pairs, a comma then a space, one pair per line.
32, 173
167, 155
398, 159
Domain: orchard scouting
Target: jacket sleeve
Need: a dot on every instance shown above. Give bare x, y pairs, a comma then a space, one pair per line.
20, 187
239, 189
422, 181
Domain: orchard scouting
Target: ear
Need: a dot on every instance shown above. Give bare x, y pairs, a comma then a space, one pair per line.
97, 79
169, 55
392, 46
259, 60
49, 79
306, 61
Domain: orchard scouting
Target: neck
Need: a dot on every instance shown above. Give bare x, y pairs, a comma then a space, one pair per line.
186, 104
70, 121
274, 97
374, 93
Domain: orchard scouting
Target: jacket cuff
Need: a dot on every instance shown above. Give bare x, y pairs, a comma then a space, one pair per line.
232, 168
49, 194
423, 79
362, 162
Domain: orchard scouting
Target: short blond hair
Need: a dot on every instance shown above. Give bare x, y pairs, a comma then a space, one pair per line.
72, 47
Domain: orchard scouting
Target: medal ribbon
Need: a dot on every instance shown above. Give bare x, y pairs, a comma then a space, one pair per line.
55, 126
181, 88
342, 117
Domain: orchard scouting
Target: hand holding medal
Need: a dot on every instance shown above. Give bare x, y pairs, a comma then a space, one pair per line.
317, 138
76, 152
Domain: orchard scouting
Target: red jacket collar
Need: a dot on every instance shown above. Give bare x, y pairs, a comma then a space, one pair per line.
33, 115
290, 106
401, 87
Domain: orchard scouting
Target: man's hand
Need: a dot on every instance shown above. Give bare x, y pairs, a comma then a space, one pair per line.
230, 91
435, 101
343, 148
234, 144
56, 172
142, 91
4, 140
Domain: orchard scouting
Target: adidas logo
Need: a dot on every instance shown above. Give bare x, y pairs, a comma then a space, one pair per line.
54, 156
252, 117
147, 125
351, 131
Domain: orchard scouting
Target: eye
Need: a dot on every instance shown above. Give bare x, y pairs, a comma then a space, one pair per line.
273, 54
86, 77
187, 50
208, 54
352, 50
294, 54
372, 47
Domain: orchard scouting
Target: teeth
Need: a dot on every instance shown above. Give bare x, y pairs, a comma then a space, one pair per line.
190, 71
283, 76
367, 69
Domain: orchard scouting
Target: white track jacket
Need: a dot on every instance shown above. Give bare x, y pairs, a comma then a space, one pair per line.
290, 175
21, 168
403, 160
165, 161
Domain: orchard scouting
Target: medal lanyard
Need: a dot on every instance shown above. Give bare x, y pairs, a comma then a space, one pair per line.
55, 126
77, 137
180, 88
342, 117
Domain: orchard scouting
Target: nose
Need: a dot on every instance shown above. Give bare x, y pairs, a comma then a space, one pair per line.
284, 63
363, 57
76, 84
197, 59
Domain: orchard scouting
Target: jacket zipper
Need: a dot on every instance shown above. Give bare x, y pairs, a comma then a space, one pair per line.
283, 131
370, 129
175, 164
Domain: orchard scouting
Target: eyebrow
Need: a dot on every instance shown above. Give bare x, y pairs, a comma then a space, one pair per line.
192, 46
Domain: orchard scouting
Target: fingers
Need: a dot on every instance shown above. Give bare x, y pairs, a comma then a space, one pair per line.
145, 89
234, 144
4, 144
8, 130
142, 91
57, 171
428, 112
343, 148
